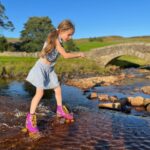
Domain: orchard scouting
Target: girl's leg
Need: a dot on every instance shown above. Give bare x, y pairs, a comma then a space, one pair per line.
31, 124
58, 96
36, 99
60, 111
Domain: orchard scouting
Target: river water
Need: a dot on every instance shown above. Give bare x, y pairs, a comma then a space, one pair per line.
94, 128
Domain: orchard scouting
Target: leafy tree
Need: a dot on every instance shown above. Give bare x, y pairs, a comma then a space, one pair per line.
35, 32
70, 46
5, 23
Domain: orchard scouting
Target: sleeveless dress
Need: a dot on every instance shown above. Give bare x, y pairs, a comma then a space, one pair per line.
43, 75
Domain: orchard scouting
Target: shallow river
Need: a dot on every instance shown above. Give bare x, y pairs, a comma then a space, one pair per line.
93, 128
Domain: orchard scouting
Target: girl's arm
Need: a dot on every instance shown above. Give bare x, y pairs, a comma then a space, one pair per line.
65, 54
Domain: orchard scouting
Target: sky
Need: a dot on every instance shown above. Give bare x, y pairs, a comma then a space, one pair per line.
92, 18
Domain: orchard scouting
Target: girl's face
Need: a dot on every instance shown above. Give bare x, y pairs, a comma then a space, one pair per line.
66, 35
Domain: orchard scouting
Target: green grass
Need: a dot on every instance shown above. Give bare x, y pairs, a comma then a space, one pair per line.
133, 59
78, 65
22, 65
86, 45
17, 65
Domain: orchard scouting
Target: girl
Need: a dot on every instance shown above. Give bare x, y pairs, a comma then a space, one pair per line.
43, 76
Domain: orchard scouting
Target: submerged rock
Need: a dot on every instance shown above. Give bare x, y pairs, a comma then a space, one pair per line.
93, 95
115, 106
148, 108
103, 97
146, 101
85, 83
146, 89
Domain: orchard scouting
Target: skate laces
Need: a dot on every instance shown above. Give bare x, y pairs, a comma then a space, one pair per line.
33, 119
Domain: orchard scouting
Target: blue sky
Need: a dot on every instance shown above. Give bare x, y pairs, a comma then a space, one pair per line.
91, 17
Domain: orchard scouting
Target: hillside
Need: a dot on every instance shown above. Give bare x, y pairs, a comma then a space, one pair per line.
13, 40
89, 43
86, 44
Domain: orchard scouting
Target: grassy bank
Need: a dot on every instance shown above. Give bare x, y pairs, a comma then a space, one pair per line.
78, 65
20, 66
16, 65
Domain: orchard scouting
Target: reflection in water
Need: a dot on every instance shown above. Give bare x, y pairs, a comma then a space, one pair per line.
13, 89
20, 89
93, 128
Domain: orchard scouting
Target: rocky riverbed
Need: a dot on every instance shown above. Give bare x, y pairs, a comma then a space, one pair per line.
94, 127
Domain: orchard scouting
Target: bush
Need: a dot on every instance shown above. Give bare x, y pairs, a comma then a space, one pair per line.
70, 46
98, 39
3, 44
11, 47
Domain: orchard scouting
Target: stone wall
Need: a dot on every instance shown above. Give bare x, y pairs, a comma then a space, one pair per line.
19, 54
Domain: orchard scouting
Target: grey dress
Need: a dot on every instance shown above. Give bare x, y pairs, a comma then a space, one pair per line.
43, 75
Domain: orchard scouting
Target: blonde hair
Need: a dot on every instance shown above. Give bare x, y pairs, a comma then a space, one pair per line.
51, 39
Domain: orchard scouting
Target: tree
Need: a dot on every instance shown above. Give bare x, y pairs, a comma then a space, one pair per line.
70, 46
5, 23
35, 32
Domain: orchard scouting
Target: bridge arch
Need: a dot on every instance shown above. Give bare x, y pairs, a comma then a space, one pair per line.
105, 54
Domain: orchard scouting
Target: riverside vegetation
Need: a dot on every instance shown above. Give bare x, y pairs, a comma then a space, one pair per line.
11, 66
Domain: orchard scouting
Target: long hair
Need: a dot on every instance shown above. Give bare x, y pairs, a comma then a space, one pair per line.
51, 38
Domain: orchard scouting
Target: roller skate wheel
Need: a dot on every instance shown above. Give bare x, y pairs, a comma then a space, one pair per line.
67, 121
72, 120
36, 135
24, 130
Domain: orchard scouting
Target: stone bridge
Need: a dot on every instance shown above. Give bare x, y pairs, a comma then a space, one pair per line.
105, 54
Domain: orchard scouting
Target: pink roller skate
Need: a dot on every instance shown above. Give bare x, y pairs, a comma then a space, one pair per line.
64, 113
31, 124
31, 127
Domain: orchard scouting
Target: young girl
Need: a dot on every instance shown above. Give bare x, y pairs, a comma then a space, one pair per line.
43, 76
